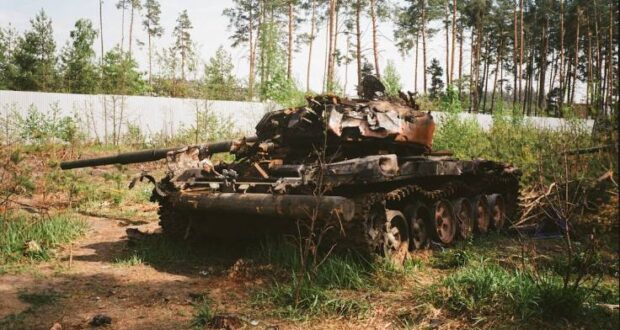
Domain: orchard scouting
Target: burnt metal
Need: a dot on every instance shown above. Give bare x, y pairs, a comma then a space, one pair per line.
363, 167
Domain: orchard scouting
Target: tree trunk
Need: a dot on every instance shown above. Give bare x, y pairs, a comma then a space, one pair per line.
330, 53
101, 33
311, 43
289, 66
252, 54
375, 45
460, 65
358, 42
610, 64
500, 53
131, 29
515, 68
576, 64
522, 43
453, 40
415, 64
424, 42
485, 79
150, 61
561, 101
447, 25
589, 83
123, 28
542, 65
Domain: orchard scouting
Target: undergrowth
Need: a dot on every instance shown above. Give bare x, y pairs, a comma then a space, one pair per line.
484, 289
330, 289
26, 237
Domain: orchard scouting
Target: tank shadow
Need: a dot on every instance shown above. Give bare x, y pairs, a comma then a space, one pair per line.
192, 259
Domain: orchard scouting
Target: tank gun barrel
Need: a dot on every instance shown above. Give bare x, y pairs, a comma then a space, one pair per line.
144, 155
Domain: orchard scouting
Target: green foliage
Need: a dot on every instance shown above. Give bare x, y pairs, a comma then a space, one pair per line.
35, 57
511, 139
436, 72
323, 290
78, 60
183, 44
39, 128
220, 82
121, 75
485, 288
47, 233
203, 313
391, 79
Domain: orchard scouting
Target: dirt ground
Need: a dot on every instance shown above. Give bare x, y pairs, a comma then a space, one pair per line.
87, 281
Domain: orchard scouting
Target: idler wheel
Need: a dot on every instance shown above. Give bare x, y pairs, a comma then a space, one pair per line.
498, 211
464, 215
395, 237
481, 213
445, 222
418, 217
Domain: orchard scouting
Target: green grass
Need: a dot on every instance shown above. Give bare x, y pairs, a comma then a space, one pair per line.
129, 261
484, 289
46, 233
332, 288
203, 312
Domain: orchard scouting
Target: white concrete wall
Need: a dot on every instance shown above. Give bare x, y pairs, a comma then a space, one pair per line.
163, 115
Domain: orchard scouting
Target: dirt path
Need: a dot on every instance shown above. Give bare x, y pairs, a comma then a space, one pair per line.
87, 281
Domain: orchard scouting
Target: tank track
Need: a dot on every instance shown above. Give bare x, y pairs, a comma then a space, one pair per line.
358, 230
363, 233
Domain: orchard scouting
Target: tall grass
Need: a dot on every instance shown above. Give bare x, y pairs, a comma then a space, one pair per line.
485, 289
512, 139
328, 289
17, 230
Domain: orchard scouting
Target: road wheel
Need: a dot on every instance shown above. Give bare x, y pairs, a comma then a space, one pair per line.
481, 213
464, 214
395, 238
418, 217
498, 211
445, 222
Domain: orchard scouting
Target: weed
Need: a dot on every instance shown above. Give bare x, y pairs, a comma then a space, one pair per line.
308, 300
129, 261
486, 289
452, 258
23, 236
203, 312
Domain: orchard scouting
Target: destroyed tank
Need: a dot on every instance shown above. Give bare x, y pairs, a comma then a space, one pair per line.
362, 172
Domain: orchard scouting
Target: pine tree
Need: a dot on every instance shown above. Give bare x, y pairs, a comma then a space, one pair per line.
244, 20
220, 82
35, 58
135, 5
184, 45
78, 60
436, 72
153, 28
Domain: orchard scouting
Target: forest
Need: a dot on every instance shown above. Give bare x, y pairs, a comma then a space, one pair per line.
536, 57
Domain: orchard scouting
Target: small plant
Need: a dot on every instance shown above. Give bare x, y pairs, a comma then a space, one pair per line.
130, 261
203, 312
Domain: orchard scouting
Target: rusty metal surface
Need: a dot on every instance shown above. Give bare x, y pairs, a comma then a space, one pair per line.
280, 206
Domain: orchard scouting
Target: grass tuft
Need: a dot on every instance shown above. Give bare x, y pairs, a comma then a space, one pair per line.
24, 237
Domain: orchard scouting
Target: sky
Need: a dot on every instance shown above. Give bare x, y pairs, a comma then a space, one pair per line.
210, 31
